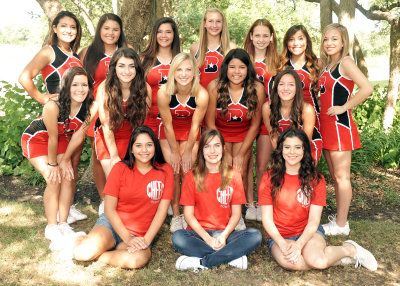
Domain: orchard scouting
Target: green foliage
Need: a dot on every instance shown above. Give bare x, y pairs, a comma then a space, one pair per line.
18, 109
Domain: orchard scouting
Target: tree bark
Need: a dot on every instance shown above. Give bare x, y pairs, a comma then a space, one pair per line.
50, 8
359, 57
346, 15
325, 9
84, 12
163, 8
394, 79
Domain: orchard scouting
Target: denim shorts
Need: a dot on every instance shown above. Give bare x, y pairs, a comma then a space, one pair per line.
103, 220
320, 231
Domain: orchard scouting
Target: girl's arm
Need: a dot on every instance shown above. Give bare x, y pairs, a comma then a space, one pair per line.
350, 70
43, 58
188, 212
308, 117
198, 116
105, 123
233, 221
82, 54
50, 120
253, 130
193, 48
266, 113
212, 105
148, 99
76, 140
163, 100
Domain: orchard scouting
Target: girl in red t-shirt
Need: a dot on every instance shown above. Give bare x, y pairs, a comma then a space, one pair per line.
292, 195
137, 195
212, 197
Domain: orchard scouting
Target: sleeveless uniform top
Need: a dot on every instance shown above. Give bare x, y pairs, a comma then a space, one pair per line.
181, 114
316, 141
121, 136
35, 138
53, 72
99, 76
235, 124
338, 132
211, 66
157, 76
265, 77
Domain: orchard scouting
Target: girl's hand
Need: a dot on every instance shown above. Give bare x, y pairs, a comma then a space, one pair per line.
175, 162
67, 170
293, 251
220, 242
336, 110
186, 161
238, 162
136, 243
211, 241
53, 174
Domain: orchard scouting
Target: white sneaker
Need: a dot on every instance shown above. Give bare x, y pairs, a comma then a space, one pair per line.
363, 257
259, 216
67, 251
188, 262
251, 212
331, 228
70, 219
67, 230
240, 262
347, 260
240, 225
52, 232
76, 214
170, 211
176, 223
101, 208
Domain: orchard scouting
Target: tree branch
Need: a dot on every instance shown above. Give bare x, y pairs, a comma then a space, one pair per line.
85, 15
376, 14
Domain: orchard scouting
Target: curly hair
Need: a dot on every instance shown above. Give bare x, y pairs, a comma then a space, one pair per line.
249, 83
53, 39
271, 55
95, 51
149, 55
64, 99
308, 172
200, 169
136, 104
297, 105
311, 58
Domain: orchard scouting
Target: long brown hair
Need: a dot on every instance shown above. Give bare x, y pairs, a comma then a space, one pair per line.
248, 84
308, 173
203, 43
297, 105
53, 39
271, 55
311, 58
136, 104
200, 169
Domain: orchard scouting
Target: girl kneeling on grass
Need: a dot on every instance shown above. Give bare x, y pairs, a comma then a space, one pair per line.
45, 141
212, 195
137, 195
292, 195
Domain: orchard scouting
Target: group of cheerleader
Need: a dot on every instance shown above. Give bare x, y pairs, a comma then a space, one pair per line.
170, 128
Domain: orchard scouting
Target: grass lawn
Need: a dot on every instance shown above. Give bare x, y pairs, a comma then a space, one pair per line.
26, 260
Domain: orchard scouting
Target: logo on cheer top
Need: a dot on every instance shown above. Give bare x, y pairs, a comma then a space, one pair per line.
155, 190
260, 73
163, 76
304, 200
212, 64
225, 196
234, 115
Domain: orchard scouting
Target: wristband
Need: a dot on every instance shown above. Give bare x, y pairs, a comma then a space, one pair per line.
51, 165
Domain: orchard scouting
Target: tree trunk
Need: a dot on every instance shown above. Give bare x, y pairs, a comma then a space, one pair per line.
359, 57
50, 8
325, 9
394, 81
163, 8
137, 16
346, 15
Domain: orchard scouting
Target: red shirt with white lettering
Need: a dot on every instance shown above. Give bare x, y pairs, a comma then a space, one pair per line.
291, 208
139, 194
212, 207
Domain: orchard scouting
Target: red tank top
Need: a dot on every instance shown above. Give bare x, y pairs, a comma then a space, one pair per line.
264, 76
211, 66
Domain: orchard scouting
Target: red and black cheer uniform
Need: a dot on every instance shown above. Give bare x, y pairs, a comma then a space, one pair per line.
339, 132
211, 66
265, 77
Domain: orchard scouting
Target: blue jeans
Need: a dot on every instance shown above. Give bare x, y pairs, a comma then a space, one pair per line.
320, 231
238, 243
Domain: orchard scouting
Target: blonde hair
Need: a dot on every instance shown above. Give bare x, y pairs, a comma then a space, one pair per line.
325, 59
203, 44
170, 86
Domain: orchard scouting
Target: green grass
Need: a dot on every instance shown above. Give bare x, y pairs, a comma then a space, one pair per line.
26, 260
